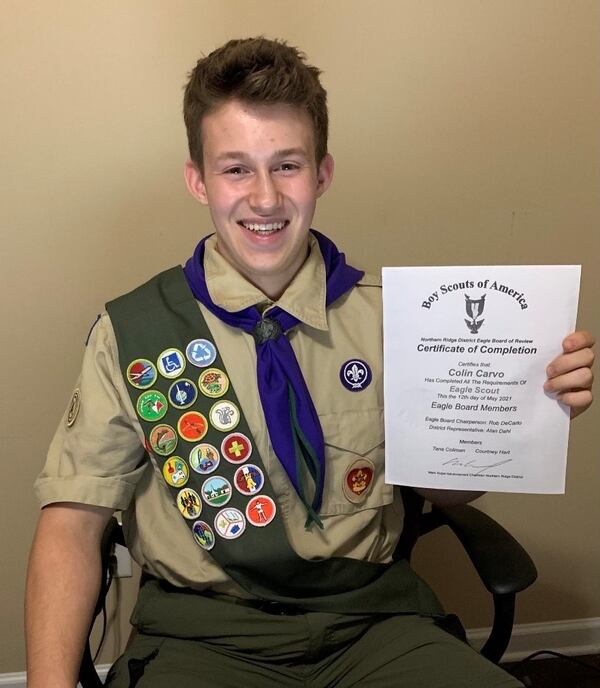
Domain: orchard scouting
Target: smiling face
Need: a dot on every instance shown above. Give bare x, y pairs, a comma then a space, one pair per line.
261, 183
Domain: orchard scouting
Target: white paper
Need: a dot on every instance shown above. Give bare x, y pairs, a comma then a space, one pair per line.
465, 357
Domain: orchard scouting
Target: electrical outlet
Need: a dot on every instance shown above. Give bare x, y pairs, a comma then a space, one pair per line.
123, 560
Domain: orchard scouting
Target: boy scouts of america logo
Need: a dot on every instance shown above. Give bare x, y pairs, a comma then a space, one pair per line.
474, 308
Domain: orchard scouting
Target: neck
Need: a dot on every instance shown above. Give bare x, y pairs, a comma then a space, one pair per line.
272, 286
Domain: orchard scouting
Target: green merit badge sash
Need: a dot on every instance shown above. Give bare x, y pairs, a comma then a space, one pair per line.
197, 435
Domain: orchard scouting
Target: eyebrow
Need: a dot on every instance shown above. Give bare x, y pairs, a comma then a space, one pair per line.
282, 153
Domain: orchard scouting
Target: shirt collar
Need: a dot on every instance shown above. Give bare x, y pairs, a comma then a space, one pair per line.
304, 298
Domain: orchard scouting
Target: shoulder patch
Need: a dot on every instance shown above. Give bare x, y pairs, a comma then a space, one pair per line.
74, 406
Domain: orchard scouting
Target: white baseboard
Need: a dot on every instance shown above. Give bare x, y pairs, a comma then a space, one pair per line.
571, 637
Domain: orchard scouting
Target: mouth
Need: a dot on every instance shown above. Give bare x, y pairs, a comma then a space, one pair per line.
264, 228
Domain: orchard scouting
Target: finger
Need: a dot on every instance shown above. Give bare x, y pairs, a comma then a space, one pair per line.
579, 379
582, 358
578, 401
578, 340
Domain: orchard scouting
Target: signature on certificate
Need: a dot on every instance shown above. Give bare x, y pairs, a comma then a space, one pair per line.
479, 468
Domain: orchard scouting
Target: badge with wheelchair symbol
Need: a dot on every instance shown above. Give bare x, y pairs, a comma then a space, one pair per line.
171, 363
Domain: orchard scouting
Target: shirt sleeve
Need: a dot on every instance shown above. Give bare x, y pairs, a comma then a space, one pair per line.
97, 454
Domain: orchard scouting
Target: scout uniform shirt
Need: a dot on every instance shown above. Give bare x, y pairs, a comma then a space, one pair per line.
97, 455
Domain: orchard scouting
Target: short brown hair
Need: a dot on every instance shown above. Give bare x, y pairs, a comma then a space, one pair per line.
254, 70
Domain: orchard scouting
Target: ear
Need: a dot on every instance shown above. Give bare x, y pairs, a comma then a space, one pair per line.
324, 174
194, 182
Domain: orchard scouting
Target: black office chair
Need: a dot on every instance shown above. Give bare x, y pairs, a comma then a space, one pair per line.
112, 536
503, 566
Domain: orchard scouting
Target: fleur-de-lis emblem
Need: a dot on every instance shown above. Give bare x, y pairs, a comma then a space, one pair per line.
355, 375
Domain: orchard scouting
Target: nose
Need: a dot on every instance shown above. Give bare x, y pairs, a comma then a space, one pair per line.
264, 195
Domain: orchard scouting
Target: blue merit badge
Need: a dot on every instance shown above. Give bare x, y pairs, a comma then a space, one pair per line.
355, 375
182, 393
171, 363
201, 353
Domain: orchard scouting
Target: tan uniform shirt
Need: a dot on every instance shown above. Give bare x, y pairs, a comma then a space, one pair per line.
100, 459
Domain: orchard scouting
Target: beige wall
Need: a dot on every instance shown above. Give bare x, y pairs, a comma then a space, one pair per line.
464, 132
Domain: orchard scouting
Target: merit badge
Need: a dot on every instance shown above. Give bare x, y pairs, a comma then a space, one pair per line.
249, 479
182, 393
192, 426
74, 406
216, 491
171, 363
189, 503
213, 382
260, 511
358, 480
152, 405
176, 471
224, 415
203, 534
141, 373
236, 448
204, 458
201, 353
230, 523
355, 375
163, 439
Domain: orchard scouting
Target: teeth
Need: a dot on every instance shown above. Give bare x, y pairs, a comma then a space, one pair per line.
270, 227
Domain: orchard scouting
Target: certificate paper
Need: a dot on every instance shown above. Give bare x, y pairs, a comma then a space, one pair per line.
465, 357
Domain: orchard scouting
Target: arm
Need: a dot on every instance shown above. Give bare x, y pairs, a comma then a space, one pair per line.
570, 377
63, 579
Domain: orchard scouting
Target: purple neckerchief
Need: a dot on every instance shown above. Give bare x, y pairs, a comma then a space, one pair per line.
277, 369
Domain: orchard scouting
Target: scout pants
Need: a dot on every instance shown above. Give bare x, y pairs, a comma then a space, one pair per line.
217, 643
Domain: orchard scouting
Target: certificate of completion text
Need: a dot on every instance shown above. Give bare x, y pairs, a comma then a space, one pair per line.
465, 357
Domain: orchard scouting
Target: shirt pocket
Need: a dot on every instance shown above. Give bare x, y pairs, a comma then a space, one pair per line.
354, 440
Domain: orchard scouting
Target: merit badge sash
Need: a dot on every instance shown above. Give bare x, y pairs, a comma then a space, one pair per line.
197, 435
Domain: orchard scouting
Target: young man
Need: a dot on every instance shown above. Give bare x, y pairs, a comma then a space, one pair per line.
219, 409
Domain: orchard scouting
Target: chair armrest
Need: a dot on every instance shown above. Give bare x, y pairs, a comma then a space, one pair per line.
113, 534
501, 562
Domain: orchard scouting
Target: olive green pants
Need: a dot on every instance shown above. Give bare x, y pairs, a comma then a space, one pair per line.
230, 645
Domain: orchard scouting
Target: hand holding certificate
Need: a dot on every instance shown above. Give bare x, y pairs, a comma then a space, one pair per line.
466, 349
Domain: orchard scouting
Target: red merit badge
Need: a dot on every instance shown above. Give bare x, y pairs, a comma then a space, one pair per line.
260, 511
192, 426
236, 447
358, 480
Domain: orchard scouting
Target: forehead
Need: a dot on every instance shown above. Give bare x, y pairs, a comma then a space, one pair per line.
252, 127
